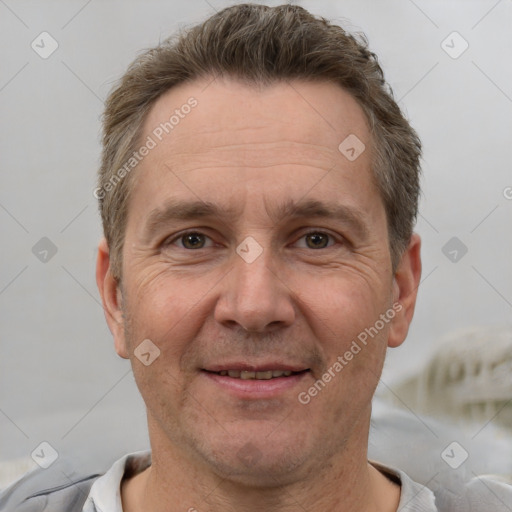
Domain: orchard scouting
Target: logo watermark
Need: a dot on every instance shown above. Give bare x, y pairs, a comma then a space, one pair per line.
304, 397
150, 143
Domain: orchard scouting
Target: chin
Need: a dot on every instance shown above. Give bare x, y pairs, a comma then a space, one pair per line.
267, 472
258, 461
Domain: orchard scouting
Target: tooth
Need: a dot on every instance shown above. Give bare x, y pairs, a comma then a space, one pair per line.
264, 375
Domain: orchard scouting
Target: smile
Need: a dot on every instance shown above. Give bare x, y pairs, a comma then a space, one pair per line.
257, 375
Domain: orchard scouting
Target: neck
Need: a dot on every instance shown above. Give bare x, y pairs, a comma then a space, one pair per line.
345, 483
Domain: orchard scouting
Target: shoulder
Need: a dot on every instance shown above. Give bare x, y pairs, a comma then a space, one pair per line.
414, 497
63, 487
442, 493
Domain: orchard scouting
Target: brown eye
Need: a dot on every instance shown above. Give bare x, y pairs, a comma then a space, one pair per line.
318, 240
188, 240
193, 240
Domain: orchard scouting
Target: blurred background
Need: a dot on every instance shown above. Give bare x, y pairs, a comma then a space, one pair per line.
61, 381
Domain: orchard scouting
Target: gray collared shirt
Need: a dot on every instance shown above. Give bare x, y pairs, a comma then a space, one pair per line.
105, 494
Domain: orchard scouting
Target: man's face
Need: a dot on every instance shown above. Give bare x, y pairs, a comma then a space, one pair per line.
256, 286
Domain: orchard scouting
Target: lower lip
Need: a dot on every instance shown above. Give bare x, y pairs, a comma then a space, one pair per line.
255, 388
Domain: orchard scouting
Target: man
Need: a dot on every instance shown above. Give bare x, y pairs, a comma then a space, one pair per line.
258, 191
264, 231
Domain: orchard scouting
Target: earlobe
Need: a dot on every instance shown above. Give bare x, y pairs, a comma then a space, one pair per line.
111, 298
405, 290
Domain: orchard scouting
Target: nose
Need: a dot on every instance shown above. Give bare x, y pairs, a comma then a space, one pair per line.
255, 296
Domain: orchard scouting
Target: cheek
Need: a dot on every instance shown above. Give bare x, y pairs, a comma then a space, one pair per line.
159, 324
344, 317
344, 307
165, 308
170, 312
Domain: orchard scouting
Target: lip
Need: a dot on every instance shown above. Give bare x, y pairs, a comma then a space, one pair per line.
261, 367
254, 388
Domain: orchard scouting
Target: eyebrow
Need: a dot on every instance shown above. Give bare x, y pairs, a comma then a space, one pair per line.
313, 208
178, 210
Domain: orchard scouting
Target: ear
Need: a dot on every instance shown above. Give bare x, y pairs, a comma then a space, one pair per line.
111, 297
405, 290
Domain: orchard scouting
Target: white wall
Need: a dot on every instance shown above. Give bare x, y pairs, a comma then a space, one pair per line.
60, 379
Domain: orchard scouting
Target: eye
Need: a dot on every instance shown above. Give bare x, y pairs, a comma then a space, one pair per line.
196, 240
317, 239
189, 240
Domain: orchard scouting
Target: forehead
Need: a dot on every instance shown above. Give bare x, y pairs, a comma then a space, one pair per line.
320, 115
221, 139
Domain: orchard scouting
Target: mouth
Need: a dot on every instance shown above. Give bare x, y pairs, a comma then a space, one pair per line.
256, 382
257, 375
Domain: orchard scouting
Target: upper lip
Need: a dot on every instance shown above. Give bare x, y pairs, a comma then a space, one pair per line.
260, 367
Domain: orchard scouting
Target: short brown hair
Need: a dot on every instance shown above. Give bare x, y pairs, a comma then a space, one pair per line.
257, 44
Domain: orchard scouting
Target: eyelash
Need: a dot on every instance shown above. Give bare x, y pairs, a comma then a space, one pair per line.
167, 242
